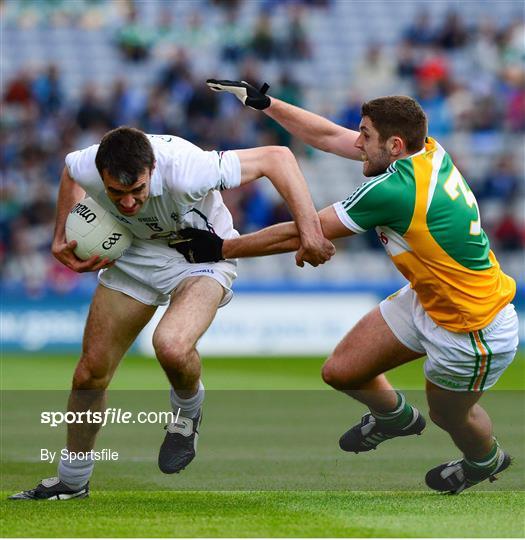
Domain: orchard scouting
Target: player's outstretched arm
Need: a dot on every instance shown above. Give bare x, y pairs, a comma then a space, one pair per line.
203, 246
69, 193
315, 130
280, 166
311, 128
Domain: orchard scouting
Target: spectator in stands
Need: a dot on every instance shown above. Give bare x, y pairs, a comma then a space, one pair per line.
177, 69
461, 105
263, 43
133, 39
154, 118
453, 33
288, 90
433, 67
488, 115
227, 4
435, 105
484, 48
502, 182
420, 32
200, 111
296, 45
27, 267
47, 90
124, 104
374, 75
202, 103
19, 91
91, 111
513, 43
515, 109
508, 233
407, 63
350, 115
232, 37
257, 208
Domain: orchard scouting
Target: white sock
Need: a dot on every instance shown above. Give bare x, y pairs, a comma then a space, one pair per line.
190, 407
75, 473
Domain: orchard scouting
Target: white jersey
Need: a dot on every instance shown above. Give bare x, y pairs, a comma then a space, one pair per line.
184, 190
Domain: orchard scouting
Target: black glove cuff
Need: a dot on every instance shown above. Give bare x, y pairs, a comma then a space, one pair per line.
198, 246
257, 99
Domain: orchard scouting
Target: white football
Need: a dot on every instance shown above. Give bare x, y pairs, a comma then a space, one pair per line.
96, 231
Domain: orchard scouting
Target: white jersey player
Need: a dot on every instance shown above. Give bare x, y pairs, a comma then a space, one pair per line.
156, 185
183, 191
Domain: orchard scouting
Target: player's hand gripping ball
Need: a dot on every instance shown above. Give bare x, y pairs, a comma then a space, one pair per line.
96, 231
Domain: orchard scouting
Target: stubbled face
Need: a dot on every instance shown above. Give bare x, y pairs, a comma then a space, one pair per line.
375, 155
128, 199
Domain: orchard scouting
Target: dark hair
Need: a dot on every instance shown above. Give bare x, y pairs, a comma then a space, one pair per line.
125, 153
398, 115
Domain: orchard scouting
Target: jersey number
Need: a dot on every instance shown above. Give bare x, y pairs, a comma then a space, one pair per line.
453, 186
155, 227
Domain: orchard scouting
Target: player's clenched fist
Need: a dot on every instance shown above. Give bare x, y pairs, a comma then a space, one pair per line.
315, 253
246, 93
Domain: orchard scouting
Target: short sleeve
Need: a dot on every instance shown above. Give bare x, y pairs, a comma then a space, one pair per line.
81, 167
378, 202
196, 172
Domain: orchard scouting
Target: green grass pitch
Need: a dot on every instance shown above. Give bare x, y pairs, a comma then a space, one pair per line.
268, 462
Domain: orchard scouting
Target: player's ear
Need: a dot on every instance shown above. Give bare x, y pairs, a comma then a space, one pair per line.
396, 146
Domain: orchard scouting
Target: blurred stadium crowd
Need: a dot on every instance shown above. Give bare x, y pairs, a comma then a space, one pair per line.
73, 69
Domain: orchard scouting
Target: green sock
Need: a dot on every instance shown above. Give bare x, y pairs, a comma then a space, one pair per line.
483, 467
399, 418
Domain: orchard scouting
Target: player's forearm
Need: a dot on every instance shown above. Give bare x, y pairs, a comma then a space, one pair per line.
311, 128
285, 174
307, 126
69, 193
281, 238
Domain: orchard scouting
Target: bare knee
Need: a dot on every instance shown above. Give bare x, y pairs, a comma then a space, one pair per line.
174, 353
91, 375
334, 375
328, 373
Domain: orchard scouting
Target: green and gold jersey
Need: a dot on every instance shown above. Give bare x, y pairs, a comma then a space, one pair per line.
427, 218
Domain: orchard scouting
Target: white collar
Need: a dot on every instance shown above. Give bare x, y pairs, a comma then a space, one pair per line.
155, 188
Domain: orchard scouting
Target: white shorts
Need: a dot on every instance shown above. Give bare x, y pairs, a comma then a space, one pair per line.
151, 278
472, 361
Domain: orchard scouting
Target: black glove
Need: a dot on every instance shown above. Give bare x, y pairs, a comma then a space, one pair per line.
244, 92
198, 246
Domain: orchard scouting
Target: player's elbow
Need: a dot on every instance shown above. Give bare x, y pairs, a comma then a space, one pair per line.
279, 154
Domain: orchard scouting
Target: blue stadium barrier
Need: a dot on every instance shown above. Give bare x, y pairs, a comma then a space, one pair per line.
54, 322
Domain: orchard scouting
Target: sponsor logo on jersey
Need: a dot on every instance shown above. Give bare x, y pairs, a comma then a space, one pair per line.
447, 382
149, 219
203, 271
85, 212
111, 240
